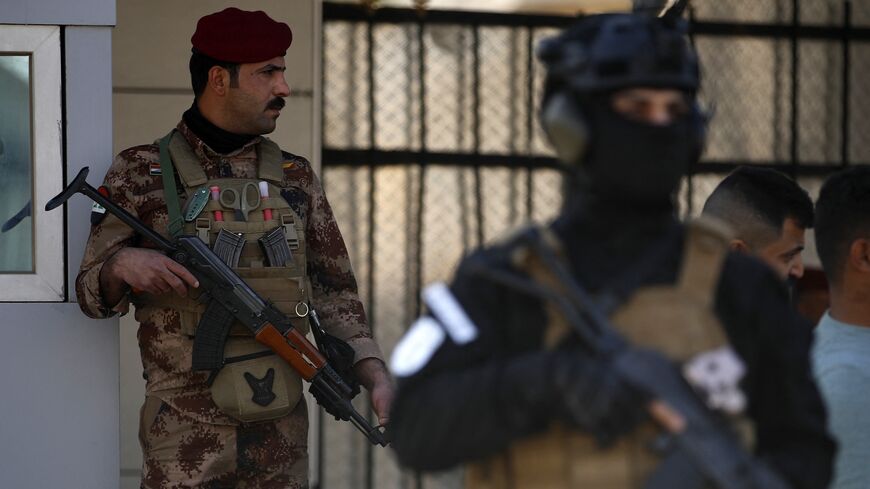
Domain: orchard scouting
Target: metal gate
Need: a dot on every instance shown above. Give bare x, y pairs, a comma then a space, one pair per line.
431, 145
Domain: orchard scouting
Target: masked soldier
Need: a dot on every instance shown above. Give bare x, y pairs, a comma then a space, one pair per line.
264, 211
506, 373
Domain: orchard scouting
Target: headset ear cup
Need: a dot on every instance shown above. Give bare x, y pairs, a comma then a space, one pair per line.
565, 126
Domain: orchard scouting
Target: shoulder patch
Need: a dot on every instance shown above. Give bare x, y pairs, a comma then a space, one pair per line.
293, 161
416, 348
297, 172
98, 212
716, 375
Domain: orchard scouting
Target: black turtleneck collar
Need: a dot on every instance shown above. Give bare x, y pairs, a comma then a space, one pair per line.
221, 141
608, 237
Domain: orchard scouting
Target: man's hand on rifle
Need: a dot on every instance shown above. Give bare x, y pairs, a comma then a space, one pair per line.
144, 270
372, 374
595, 397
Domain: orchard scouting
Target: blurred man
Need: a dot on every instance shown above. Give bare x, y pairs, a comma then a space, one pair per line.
768, 214
511, 371
842, 349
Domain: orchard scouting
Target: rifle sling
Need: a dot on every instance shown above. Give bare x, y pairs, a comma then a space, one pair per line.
175, 224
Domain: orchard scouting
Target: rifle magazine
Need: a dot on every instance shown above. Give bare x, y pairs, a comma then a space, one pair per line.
211, 337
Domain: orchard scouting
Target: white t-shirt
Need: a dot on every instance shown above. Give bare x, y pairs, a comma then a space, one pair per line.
841, 364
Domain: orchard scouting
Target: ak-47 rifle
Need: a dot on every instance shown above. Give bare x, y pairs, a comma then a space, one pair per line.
229, 297
703, 450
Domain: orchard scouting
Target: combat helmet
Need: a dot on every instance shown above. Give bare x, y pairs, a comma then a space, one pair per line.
613, 51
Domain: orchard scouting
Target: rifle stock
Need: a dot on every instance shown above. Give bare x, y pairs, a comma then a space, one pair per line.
291, 350
269, 325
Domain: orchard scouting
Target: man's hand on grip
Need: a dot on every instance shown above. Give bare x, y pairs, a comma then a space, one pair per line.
150, 271
374, 376
595, 397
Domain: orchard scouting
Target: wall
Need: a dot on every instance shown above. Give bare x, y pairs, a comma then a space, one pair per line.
59, 415
568, 7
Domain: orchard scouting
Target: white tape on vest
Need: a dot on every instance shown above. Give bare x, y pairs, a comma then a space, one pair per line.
417, 346
447, 309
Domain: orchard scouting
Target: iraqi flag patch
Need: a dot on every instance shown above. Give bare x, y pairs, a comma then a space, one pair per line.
98, 212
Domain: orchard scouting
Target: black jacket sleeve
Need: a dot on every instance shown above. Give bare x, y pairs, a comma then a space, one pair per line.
775, 342
472, 400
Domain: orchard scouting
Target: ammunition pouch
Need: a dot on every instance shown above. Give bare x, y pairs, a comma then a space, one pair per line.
254, 383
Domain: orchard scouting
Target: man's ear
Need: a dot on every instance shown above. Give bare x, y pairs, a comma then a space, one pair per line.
218, 80
739, 245
859, 255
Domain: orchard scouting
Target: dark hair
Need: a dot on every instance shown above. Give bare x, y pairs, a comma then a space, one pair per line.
842, 216
755, 197
199, 66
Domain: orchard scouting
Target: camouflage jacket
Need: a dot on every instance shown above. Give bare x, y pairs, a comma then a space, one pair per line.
135, 185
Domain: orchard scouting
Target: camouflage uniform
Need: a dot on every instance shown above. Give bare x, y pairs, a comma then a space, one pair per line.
183, 433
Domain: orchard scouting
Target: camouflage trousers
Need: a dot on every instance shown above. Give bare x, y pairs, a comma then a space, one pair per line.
179, 452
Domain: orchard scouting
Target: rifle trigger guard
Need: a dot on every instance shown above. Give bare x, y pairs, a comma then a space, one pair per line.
304, 307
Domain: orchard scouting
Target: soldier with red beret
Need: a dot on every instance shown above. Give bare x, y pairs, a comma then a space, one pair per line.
244, 424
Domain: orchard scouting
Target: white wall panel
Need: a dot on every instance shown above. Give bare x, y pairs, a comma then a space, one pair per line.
59, 414
58, 12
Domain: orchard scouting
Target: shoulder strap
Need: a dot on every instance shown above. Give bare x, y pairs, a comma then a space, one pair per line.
189, 167
703, 256
525, 259
270, 160
170, 192
544, 262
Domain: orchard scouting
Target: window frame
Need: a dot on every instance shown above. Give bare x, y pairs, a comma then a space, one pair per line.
46, 282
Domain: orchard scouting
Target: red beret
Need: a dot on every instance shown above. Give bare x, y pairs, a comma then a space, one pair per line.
239, 36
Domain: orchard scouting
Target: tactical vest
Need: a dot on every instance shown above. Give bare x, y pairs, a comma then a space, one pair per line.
675, 319
254, 384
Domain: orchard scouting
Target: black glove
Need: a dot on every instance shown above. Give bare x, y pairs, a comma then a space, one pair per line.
340, 356
594, 397
337, 410
338, 353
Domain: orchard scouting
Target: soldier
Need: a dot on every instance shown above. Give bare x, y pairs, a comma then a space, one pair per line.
244, 425
769, 215
502, 375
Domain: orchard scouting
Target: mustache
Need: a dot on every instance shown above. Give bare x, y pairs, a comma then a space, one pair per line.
277, 103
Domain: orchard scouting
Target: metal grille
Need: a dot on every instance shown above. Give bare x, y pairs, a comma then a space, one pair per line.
432, 147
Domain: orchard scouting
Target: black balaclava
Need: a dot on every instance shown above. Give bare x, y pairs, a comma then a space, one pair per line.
622, 174
620, 197
614, 162
631, 163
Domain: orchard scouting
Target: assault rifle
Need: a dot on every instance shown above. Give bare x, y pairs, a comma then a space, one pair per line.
228, 295
700, 447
